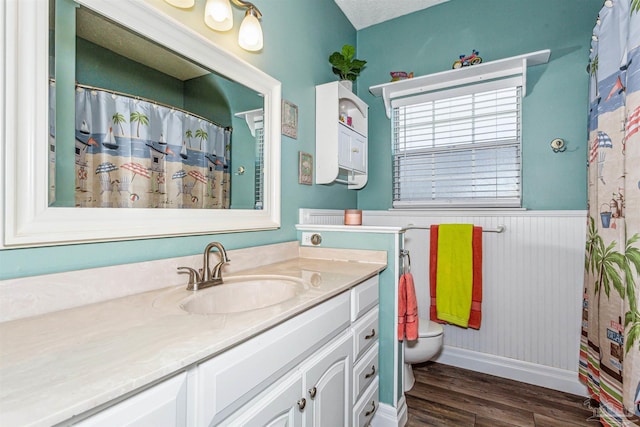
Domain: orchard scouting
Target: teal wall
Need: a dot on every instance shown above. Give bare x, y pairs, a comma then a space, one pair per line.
299, 37
555, 106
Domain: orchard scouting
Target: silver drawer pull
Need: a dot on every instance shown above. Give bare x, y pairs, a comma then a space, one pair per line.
373, 409
371, 335
372, 373
312, 392
302, 403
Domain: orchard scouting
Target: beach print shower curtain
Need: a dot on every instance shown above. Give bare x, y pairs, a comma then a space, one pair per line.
610, 342
132, 153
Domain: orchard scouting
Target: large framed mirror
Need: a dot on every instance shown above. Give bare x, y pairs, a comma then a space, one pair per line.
47, 140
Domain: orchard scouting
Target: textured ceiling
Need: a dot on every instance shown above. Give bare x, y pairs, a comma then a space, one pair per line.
126, 43
364, 13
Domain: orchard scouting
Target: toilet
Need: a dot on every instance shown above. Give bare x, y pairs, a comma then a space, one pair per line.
428, 344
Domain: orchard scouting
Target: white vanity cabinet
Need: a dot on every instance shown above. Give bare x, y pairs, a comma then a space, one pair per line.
364, 317
317, 393
164, 404
318, 368
341, 136
229, 381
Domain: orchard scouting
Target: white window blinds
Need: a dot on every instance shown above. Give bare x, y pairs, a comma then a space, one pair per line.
462, 150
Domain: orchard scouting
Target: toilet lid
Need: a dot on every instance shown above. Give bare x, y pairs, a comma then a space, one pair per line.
427, 328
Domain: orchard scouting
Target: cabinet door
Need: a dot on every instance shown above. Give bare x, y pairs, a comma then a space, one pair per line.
327, 385
163, 405
344, 147
280, 406
352, 149
358, 150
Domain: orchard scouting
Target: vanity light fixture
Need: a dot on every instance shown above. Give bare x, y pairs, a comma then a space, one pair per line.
182, 4
250, 34
219, 16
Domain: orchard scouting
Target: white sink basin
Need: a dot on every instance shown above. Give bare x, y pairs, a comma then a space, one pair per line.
243, 293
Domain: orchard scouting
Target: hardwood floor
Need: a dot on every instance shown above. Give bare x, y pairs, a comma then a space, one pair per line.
449, 396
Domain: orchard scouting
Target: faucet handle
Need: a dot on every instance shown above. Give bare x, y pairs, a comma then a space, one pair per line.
193, 276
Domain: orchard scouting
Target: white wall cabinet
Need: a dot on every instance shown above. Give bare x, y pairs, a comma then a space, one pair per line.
352, 150
341, 136
299, 373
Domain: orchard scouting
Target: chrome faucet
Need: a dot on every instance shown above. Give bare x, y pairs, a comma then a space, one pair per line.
206, 276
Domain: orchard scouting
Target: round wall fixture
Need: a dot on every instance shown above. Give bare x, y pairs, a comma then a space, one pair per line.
558, 145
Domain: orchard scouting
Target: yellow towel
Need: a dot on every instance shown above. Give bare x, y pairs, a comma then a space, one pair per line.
454, 280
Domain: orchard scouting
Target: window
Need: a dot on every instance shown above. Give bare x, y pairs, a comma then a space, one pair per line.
458, 147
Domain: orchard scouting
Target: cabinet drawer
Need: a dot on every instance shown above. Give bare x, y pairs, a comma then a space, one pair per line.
365, 371
367, 406
231, 379
364, 297
365, 333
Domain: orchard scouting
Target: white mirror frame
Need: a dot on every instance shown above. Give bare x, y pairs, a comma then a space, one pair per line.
28, 220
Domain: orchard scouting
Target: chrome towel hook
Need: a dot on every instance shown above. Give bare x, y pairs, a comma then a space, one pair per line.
406, 261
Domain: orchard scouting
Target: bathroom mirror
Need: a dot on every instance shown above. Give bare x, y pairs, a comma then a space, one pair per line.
35, 214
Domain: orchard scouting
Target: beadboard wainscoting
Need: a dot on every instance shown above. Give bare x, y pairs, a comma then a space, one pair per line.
532, 291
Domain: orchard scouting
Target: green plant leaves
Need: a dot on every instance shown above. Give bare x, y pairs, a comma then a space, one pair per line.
344, 65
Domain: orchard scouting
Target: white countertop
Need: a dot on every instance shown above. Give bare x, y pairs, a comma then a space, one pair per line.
57, 365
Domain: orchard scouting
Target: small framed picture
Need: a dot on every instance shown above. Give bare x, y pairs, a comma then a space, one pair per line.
289, 119
305, 168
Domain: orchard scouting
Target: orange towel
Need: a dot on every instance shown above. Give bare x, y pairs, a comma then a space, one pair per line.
407, 308
475, 316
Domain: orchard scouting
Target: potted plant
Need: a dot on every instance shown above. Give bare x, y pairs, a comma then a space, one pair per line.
345, 65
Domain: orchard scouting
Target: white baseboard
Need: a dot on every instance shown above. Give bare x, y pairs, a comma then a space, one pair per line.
388, 416
531, 373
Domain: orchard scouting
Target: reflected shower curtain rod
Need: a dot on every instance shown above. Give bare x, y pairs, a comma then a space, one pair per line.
498, 229
150, 101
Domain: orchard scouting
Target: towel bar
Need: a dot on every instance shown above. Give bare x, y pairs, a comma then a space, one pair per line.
498, 229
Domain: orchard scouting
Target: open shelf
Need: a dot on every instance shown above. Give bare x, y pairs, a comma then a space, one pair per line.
508, 67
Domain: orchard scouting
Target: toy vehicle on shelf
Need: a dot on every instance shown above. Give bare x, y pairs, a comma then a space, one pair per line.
466, 61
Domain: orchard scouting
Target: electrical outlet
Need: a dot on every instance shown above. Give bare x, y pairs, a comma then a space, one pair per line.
311, 239
306, 238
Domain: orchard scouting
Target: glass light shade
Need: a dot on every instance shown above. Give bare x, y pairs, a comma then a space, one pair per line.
250, 34
182, 4
218, 15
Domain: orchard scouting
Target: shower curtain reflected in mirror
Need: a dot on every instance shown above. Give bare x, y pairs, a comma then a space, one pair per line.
610, 342
134, 153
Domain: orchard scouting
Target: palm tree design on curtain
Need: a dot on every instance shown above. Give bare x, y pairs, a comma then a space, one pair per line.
635, 6
609, 267
202, 135
631, 258
189, 135
593, 240
607, 260
141, 119
118, 119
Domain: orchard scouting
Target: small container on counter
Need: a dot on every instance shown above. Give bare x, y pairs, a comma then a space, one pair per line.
352, 217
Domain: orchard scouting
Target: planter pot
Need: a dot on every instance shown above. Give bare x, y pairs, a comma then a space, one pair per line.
348, 84
605, 217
